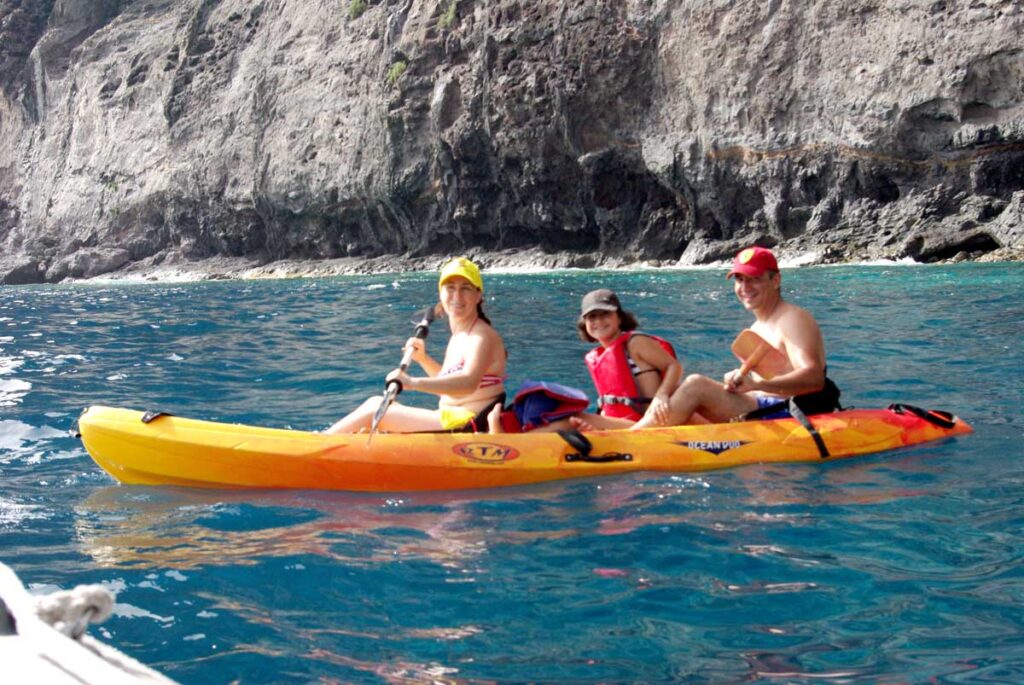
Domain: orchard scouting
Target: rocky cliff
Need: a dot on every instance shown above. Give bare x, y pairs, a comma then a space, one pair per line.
156, 131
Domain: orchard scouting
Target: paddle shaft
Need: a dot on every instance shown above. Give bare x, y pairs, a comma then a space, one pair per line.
754, 359
391, 391
394, 387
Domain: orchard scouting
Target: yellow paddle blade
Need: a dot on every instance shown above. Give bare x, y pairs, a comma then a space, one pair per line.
757, 355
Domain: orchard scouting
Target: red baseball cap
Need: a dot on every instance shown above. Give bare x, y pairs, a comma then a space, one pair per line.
753, 261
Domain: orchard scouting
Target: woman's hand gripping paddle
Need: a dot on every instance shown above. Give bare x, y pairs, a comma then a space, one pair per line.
391, 390
757, 355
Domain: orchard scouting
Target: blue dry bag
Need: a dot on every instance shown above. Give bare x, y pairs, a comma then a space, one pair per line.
538, 403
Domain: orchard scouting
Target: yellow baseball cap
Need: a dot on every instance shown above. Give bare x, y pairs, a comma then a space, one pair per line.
460, 266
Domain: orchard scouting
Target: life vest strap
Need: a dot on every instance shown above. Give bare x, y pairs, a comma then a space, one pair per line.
797, 413
637, 404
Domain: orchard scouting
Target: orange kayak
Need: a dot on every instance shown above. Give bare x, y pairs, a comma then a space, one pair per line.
171, 450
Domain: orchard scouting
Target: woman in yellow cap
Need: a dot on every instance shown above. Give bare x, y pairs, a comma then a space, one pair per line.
471, 380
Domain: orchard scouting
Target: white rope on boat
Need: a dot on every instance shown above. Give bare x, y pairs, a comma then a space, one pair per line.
71, 611
42, 639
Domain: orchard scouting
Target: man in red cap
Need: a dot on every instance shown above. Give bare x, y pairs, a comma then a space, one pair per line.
796, 356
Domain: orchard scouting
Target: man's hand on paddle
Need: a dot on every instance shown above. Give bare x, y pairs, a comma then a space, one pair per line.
737, 382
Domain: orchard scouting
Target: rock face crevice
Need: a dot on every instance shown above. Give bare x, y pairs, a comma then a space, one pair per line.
159, 131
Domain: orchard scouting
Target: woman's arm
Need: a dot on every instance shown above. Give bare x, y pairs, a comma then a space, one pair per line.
647, 350
420, 356
476, 352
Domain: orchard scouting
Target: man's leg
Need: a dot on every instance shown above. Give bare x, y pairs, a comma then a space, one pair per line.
703, 395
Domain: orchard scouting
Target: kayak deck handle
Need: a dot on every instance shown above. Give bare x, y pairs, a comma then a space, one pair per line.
936, 417
584, 447
600, 458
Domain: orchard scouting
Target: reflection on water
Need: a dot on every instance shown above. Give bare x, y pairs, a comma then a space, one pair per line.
121, 526
144, 527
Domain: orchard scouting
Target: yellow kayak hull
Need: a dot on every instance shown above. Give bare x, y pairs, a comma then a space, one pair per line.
171, 450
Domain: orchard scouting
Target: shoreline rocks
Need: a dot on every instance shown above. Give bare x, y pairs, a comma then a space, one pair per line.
532, 260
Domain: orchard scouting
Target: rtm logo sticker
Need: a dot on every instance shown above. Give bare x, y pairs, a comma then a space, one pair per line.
713, 446
486, 452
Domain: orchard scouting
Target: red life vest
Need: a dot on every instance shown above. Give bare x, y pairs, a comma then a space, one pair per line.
614, 380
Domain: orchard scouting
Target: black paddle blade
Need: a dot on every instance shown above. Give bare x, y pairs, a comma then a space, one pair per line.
389, 396
422, 322
424, 316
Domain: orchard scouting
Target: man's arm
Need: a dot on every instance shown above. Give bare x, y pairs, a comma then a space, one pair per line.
805, 348
800, 340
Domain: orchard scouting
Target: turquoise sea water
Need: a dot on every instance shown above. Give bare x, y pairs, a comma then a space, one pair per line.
897, 568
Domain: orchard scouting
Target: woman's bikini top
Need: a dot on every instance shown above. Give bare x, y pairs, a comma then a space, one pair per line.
486, 381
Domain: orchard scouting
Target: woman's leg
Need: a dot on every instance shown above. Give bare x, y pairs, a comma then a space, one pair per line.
586, 421
494, 419
357, 420
398, 419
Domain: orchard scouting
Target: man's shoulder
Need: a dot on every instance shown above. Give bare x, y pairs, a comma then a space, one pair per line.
794, 322
793, 313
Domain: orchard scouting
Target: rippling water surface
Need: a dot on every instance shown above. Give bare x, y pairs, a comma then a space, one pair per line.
898, 568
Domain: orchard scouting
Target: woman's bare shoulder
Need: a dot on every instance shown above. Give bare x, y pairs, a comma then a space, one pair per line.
641, 344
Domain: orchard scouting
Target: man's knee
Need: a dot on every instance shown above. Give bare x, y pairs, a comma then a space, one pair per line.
696, 383
690, 381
